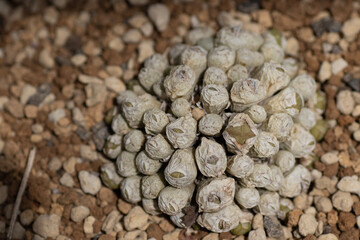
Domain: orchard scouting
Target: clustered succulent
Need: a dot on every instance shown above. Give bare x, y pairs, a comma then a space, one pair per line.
216, 127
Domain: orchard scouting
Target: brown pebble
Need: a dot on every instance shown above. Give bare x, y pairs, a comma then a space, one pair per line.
293, 217
348, 171
166, 226
356, 208
345, 120
107, 237
319, 166
332, 217
352, 234
106, 194
123, 206
346, 221
154, 231
331, 169
226, 235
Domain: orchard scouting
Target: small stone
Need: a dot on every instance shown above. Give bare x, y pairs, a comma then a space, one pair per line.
26, 92
67, 180
159, 15
31, 111
89, 79
146, 49
89, 182
273, 227
132, 36
264, 18
325, 71
166, 226
338, 65
3, 194
116, 44
47, 225
78, 117
51, 15
79, 213
258, 234
258, 221
69, 165
197, 113
45, 59
138, 20
345, 102
306, 34
19, 231
292, 46
57, 114
61, 35
15, 108
115, 84
328, 236
114, 71
346, 221
26, 217
88, 225
123, 206
55, 164
342, 201
356, 111
307, 224
137, 234
356, 135
110, 221
136, 218
78, 59
323, 204
330, 157
351, 28
349, 184
358, 221
147, 29
87, 153
95, 94
172, 236
3, 101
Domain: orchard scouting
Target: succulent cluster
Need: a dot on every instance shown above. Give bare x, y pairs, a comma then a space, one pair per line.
218, 125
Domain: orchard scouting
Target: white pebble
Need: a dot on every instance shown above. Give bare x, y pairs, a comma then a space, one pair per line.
89, 182
349, 184
47, 225
78, 59
325, 71
307, 224
338, 65
342, 201
132, 36
79, 213
345, 102
356, 135
67, 180
45, 59
351, 28
330, 157
159, 15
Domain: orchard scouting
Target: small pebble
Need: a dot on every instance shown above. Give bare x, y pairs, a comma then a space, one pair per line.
328, 236
47, 225
132, 36
356, 135
330, 157
349, 184
88, 225
345, 102
67, 180
323, 204
57, 114
54, 164
45, 59
307, 224
19, 231
87, 153
111, 219
258, 234
79, 213
78, 60
26, 92
342, 201
115, 84
26, 217
351, 28
325, 71
258, 221
159, 15
273, 227
89, 183
136, 218
116, 44
338, 65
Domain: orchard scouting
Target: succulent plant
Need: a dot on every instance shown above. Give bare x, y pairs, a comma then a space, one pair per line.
240, 157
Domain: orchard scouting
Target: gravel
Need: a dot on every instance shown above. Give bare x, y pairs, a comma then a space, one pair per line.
79, 213
307, 224
47, 225
89, 182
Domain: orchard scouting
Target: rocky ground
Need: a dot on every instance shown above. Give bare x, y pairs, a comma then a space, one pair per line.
62, 63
